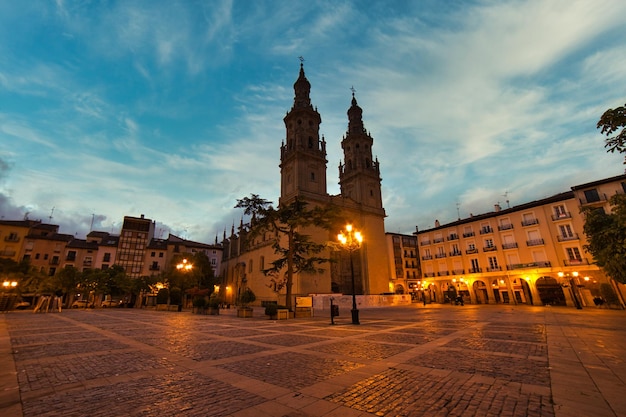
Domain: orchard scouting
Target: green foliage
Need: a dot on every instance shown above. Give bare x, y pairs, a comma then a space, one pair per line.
199, 302
608, 294
176, 295
162, 296
297, 253
610, 122
246, 297
271, 309
606, 237
214, 301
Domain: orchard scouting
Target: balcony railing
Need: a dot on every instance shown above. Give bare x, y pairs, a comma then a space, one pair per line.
429, 274
544, 264
456, 253
601, 199
453, 237
486, 230
440, 255
561, 216
475, 270
11, 238
425, 242
7, 252
438, 240
443, 273
574, 262
512, 245
468, 234
470, 251
494, 268
70, 258
154, 267
427, 257
530, 222
534, 242
562, 238
490, 248
458, 271
505, 226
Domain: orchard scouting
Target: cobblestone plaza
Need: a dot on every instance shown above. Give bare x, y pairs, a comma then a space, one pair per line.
409, 361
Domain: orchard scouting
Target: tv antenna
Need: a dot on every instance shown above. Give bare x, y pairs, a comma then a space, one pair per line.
506, 195
51, 213
458, 213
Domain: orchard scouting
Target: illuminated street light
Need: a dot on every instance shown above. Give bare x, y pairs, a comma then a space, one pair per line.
9, 284
184, 266
351, 241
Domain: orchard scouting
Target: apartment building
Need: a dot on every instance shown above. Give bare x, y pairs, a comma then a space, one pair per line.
404, 271
528, 254
12, 234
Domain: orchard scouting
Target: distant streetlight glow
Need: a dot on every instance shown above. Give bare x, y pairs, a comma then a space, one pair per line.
351, 241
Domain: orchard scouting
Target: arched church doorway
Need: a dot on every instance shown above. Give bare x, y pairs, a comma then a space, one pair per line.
550, 292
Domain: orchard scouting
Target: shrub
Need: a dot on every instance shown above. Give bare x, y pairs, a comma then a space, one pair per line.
271, 309
247, 297
214, 301
199, 302
176, 296
162, 296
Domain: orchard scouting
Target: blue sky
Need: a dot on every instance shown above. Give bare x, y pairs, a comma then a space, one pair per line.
173, 109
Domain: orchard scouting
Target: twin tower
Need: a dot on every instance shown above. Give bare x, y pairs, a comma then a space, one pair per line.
303, 166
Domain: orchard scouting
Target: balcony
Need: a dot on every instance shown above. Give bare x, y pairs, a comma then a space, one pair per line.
494, 268
470, 251
70, 258
534, 242
453, 237
490, 248
544, 264
54, 261
456, 253
597, 200
87, 263
574, 262
512, 245
568, 238
486, 230
427, 257
155, 268
438, 240
429, 274
440, 255
474, 270
458, 271
443, 273
12, 238
561, 216
530, 222
505, 226
7, 252
425, 242
468, 234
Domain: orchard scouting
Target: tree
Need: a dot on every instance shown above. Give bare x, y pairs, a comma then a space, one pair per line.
610, 122
606, 237
299, 253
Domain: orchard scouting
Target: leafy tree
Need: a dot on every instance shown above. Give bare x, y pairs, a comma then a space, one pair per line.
297, 253
606, 237
611, 121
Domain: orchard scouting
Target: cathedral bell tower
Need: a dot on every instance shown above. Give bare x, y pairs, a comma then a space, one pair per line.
302, 154
359, 175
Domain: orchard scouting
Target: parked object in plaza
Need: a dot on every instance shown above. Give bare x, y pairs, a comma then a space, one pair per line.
82, 304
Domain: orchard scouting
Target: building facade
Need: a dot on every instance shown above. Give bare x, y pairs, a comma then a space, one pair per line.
303, 171
529, 254
404, 265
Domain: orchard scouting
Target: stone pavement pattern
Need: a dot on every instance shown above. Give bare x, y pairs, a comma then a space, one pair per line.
418, 361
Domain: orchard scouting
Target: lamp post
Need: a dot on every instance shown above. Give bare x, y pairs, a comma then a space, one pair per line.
351, 241
183, 266
570, 279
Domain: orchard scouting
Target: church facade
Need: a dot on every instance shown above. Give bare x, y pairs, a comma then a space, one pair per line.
303, 170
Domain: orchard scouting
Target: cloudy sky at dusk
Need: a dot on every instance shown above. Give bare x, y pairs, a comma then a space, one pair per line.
173, 109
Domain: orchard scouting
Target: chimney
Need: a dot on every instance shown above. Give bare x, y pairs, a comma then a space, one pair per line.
497, 207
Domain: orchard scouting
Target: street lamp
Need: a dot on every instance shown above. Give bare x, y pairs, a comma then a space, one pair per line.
570, 278
183, 266
351, 241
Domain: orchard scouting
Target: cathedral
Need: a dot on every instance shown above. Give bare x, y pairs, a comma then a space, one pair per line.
303, 166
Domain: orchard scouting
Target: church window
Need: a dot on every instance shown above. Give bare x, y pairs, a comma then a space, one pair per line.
312, 176
310, 142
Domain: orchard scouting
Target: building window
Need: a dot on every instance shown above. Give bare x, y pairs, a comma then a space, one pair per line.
107, 257
592, 196
489, 243
153, 254
559, 211
493, 263
160, 254
573, 254
566, 231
